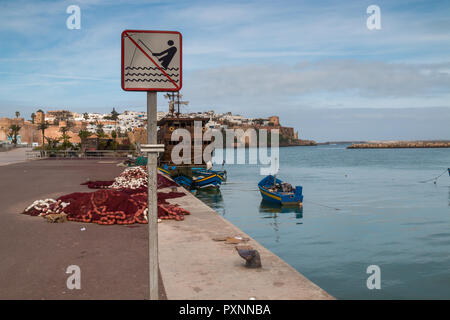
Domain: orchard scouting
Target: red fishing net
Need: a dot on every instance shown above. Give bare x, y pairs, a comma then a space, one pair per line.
125, 202
98, 184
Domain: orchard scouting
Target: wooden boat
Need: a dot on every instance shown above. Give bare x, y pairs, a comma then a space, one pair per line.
193, 179
221, 173
197, 176
206, 180
276, 191
183, 181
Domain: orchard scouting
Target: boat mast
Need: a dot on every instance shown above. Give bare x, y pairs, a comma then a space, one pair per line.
175, 98
275, 173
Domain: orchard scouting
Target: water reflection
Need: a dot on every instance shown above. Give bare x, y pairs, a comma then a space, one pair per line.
269, 210
212, 198
269, 207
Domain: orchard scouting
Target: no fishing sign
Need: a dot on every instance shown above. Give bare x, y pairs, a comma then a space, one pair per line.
151, 60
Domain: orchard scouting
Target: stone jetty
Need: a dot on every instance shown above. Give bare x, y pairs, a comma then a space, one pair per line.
400, 144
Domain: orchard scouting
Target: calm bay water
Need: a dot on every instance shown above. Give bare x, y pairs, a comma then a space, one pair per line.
386, 217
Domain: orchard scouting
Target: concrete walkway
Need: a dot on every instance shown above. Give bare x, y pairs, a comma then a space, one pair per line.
13, 156
193, 266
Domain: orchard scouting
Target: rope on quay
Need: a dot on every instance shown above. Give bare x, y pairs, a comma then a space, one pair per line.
436, 178
323, 205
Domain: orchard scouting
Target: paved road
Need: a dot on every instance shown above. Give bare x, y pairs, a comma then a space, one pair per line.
35, 254
13, 156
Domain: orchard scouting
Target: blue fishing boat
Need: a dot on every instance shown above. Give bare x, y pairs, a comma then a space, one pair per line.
183, 181
201, 171
164, 169
206, 180
276, 191
193, 179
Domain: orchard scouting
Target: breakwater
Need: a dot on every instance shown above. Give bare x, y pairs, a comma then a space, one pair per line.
400, 144
298, 142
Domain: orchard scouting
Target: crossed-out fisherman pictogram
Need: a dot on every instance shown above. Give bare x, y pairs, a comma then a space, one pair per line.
151, 60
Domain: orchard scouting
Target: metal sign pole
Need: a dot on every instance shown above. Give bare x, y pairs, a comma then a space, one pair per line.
152, 197
139, 49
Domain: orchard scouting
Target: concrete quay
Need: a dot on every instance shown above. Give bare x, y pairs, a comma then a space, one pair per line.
194, 266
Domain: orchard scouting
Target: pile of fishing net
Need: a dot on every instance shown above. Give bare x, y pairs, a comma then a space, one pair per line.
130, 178
98, 184
122, 201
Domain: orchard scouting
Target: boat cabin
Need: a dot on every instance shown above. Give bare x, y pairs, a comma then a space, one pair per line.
167, 126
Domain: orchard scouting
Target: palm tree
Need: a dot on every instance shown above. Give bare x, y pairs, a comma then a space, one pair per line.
13, 132
84, 134
43, 126
17, 114
52, 143
114, 117
65, 137
114, 114
64, 129
101, 134
33, 116
99, 130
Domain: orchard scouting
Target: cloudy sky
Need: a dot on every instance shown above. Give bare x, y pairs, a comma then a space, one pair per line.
313, 63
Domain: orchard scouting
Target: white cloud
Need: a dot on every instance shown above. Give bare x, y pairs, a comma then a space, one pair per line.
366, 78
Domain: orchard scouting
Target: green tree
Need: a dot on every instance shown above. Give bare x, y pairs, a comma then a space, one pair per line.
17, 114
52, 143
84, 135
114, 114
42, 127
33, 116
100, 133
86, 116
13, 132
65, 137
115, 117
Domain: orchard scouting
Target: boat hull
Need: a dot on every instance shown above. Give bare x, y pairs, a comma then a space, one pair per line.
221, 173
194, 179
212, 180
285, 198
